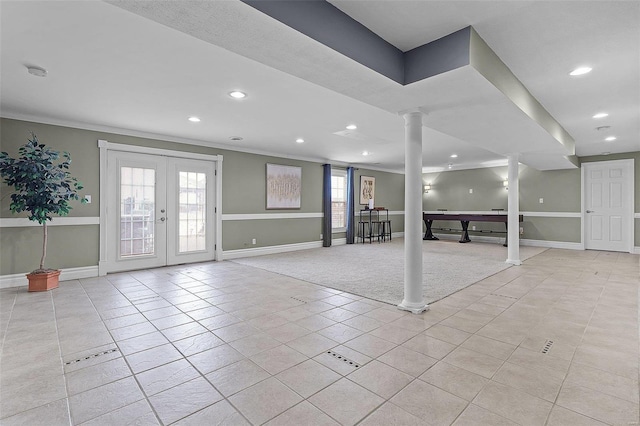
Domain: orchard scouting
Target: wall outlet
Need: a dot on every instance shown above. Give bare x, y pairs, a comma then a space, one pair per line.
87, 199
473, 227
470, 190
541, 200
253, 241
321, 236
521, 230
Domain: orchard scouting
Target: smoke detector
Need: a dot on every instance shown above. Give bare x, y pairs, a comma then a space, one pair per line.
37, 71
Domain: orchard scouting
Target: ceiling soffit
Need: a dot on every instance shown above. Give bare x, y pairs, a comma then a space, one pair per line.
304, 41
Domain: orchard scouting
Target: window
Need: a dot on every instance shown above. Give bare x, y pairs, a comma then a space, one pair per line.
338, 200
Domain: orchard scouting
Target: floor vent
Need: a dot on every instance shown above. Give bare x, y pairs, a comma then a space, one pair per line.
502, 295
343, 359
547, 346
299, 300
110, 351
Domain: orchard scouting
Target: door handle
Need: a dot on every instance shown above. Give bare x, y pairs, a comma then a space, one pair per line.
162, 219
590, 211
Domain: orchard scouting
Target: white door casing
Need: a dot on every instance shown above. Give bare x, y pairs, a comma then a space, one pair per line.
180, 223
608, 218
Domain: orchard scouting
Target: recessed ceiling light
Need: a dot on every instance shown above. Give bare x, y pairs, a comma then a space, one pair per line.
454, 155
236, 94
352, 127
299, 140
610, 138
194, 119
236, 138
37, 71
580, 71
365, 153
601, 115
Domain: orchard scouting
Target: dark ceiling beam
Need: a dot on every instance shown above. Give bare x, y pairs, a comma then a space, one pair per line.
328, 25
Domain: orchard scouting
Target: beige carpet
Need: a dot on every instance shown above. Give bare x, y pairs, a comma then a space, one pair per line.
376, 270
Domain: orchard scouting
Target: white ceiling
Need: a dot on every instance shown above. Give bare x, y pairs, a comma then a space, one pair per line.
118, 71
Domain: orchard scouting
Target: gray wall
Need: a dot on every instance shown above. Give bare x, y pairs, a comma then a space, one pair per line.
243, 192
559, 189
389, 193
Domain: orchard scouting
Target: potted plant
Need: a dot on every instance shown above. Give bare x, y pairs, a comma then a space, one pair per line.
42, 186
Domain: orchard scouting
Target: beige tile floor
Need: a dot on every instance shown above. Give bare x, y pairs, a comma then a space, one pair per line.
554, 341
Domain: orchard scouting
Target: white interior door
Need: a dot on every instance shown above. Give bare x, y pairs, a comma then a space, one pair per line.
160, 211
608, 205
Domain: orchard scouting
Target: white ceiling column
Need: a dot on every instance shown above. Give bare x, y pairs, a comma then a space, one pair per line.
413, 299
513, 206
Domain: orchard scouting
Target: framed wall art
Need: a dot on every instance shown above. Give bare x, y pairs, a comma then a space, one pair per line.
284, 186
367, 189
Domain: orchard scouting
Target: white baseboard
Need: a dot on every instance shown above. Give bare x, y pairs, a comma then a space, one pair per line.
478, 238
338, 241
552, 244
636, 250
17, 280
68, 274
523, 241
259, 251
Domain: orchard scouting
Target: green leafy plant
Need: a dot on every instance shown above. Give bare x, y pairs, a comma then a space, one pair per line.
42, 185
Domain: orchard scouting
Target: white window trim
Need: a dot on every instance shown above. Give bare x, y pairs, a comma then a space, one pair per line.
342, 173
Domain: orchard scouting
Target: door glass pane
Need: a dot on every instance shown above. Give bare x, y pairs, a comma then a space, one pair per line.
137, 207
192, 205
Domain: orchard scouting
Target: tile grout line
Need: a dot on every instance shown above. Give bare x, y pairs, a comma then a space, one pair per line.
338, 344
124, 358
555, 401
201, 375
64, 375
4, 336
490, 380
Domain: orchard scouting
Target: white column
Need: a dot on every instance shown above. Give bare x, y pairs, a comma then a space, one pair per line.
413, 300
513, 226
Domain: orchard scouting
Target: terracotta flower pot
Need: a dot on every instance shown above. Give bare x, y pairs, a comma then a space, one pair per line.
43, 281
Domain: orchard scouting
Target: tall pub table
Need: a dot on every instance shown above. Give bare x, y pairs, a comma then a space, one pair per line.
371, 225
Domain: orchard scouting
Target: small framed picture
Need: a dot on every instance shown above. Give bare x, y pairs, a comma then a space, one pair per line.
367, 189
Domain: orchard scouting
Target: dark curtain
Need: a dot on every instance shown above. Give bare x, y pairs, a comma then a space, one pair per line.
326, 205
350, 213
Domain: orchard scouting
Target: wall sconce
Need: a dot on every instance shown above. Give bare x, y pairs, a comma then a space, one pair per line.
427, 188
505, 183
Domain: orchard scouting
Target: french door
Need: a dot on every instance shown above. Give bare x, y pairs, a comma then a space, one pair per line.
608, 205
160, 211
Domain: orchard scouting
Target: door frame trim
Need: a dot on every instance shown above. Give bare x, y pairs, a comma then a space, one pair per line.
106, 146
630, 209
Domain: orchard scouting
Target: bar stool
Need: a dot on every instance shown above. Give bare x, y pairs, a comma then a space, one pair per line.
363, 230
377, 230
386, 229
